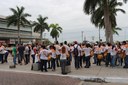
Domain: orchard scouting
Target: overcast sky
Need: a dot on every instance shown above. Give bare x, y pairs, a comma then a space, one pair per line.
68, 14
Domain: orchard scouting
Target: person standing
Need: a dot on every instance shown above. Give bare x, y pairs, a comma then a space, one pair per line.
113, 55
43, 58
77, 54
21, 49
53, 58
14, 53
57, 46
108, 57
63, 60
26, 52
87, 51
1, 53
32, 54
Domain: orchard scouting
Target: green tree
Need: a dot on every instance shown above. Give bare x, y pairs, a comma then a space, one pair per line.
56, 30
97, 18
18, 18
40, 25
91, 5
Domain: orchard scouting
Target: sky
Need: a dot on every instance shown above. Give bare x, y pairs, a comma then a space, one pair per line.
69, 15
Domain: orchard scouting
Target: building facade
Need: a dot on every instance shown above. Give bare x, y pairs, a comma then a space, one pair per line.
9, 34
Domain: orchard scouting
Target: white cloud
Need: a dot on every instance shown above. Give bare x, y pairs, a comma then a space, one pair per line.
67, 13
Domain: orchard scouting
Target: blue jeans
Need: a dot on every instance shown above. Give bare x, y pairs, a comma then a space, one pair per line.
14, 59
113, 59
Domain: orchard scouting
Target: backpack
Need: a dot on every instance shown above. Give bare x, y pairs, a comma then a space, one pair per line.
75, 51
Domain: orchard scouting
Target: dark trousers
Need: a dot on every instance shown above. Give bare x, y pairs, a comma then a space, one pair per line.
108, 59
88, 64
80, 58
21, 57
126, 61
1, 56
6, 56
58, 60
63, 65
76, 58
53, 64
33, 58
43, 65
27, 58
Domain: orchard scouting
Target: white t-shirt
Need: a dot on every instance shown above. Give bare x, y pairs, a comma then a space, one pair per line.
44, 54
113, 51
26, 50
53, 55
108, 48
1, 50
32, 52
67, 48
63, 56
87, 51
126, 50
79, 49
57, 49
95, 49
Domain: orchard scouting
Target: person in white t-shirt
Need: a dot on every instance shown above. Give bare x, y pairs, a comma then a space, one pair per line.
113, 53
87, 51
77, 54
63, 60
57, 46
108, 57
53, 58
1, 53
43, 58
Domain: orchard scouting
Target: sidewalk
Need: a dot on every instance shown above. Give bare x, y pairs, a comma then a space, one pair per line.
107, 74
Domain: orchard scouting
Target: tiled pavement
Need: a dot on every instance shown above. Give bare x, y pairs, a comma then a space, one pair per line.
117, 74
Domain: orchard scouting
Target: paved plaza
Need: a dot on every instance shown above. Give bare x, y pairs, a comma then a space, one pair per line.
108, 75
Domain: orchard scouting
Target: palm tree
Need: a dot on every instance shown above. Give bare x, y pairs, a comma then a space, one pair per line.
56, 30
18, 19
40, 25
97, 18
100, 9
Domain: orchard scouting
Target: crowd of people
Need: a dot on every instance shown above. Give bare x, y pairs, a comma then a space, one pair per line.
62, 54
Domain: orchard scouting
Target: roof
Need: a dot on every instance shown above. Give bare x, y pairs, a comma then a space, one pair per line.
2, 17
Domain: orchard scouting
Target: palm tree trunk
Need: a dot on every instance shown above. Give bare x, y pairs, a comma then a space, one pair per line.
111, 35
18, 26
106, 21
41, 33
55, 39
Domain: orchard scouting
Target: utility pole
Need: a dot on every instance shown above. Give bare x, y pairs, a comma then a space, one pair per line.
82, 32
